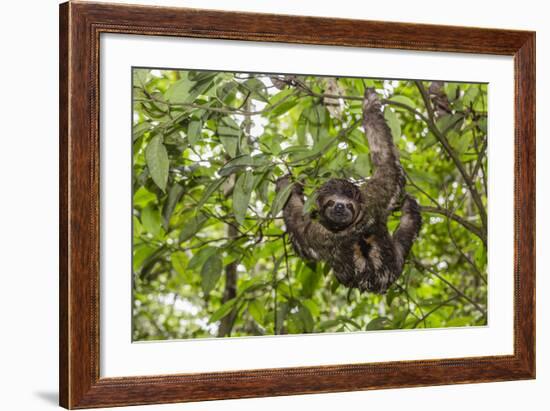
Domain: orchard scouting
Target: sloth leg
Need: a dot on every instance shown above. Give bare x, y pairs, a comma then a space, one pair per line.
381, 263
409, 226
385, 254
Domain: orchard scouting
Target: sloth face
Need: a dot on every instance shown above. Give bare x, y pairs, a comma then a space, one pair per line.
338, 212
339, 203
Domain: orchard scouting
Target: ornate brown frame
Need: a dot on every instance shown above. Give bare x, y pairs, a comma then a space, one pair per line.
80, 27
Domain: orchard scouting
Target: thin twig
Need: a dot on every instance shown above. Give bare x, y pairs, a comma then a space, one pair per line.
422, 267
445, 143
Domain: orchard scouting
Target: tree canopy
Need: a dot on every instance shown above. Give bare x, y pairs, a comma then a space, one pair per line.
210, 254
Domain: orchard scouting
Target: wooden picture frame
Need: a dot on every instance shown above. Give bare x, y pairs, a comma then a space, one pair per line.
80, 27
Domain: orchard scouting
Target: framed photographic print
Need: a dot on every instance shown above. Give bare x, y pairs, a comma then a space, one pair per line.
258, 205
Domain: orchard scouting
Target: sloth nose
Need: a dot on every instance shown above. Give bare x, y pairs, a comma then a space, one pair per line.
339, 207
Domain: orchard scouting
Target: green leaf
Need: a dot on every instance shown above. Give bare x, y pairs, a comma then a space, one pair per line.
301, 127
322, 144
482, 124
328, 324
201, 76
403, 100
243, 161
451, 90
283, 108
139, 129
241, 195
191, 227
378, 323
399, 319
227, 92
362, 165
140, 254
393, 122
281, 199
459, 142
213, 186
460, 322
391, 294
470, 94
282, 311
187, 89
257, 310
174, 196
194, 131
211, 273
180, 91
179, 262
157, 161
449, 121
312, 307
257, 89
306, 318
142, 197
140, 77
229, 133
224, 310
310, 279
137, 227
201, 256
150, 218
316, 116
236, 164
310, 203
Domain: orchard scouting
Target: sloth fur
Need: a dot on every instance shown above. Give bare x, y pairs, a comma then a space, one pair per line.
349, 228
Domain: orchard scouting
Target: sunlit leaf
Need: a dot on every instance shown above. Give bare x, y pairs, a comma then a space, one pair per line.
212, 187
236, 164
403, 100
200, 256
139, 129
192, 226
223, 311
241, 195
151, 220
362, 165
179, 92
194, 131
393, 122
281, 199
470, 94
140, 77
140, 254
157, 161
256, 88
229, 133
174, 196
142, 197
179, 262
211, 272
257, 311
378, 323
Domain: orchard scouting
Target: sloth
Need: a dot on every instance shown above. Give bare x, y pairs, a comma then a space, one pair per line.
348, 229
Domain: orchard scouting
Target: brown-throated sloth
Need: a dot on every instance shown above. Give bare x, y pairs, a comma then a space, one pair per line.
350, 230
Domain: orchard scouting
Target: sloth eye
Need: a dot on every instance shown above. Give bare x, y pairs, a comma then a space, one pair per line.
349, 206
330, 203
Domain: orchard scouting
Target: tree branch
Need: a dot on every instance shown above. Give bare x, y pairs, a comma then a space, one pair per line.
445, 143
466, 224
422, 267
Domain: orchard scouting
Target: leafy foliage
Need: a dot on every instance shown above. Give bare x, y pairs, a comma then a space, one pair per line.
210, 256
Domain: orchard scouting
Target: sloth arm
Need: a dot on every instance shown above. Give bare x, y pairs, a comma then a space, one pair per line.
383, 191
388, 179
308, 236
